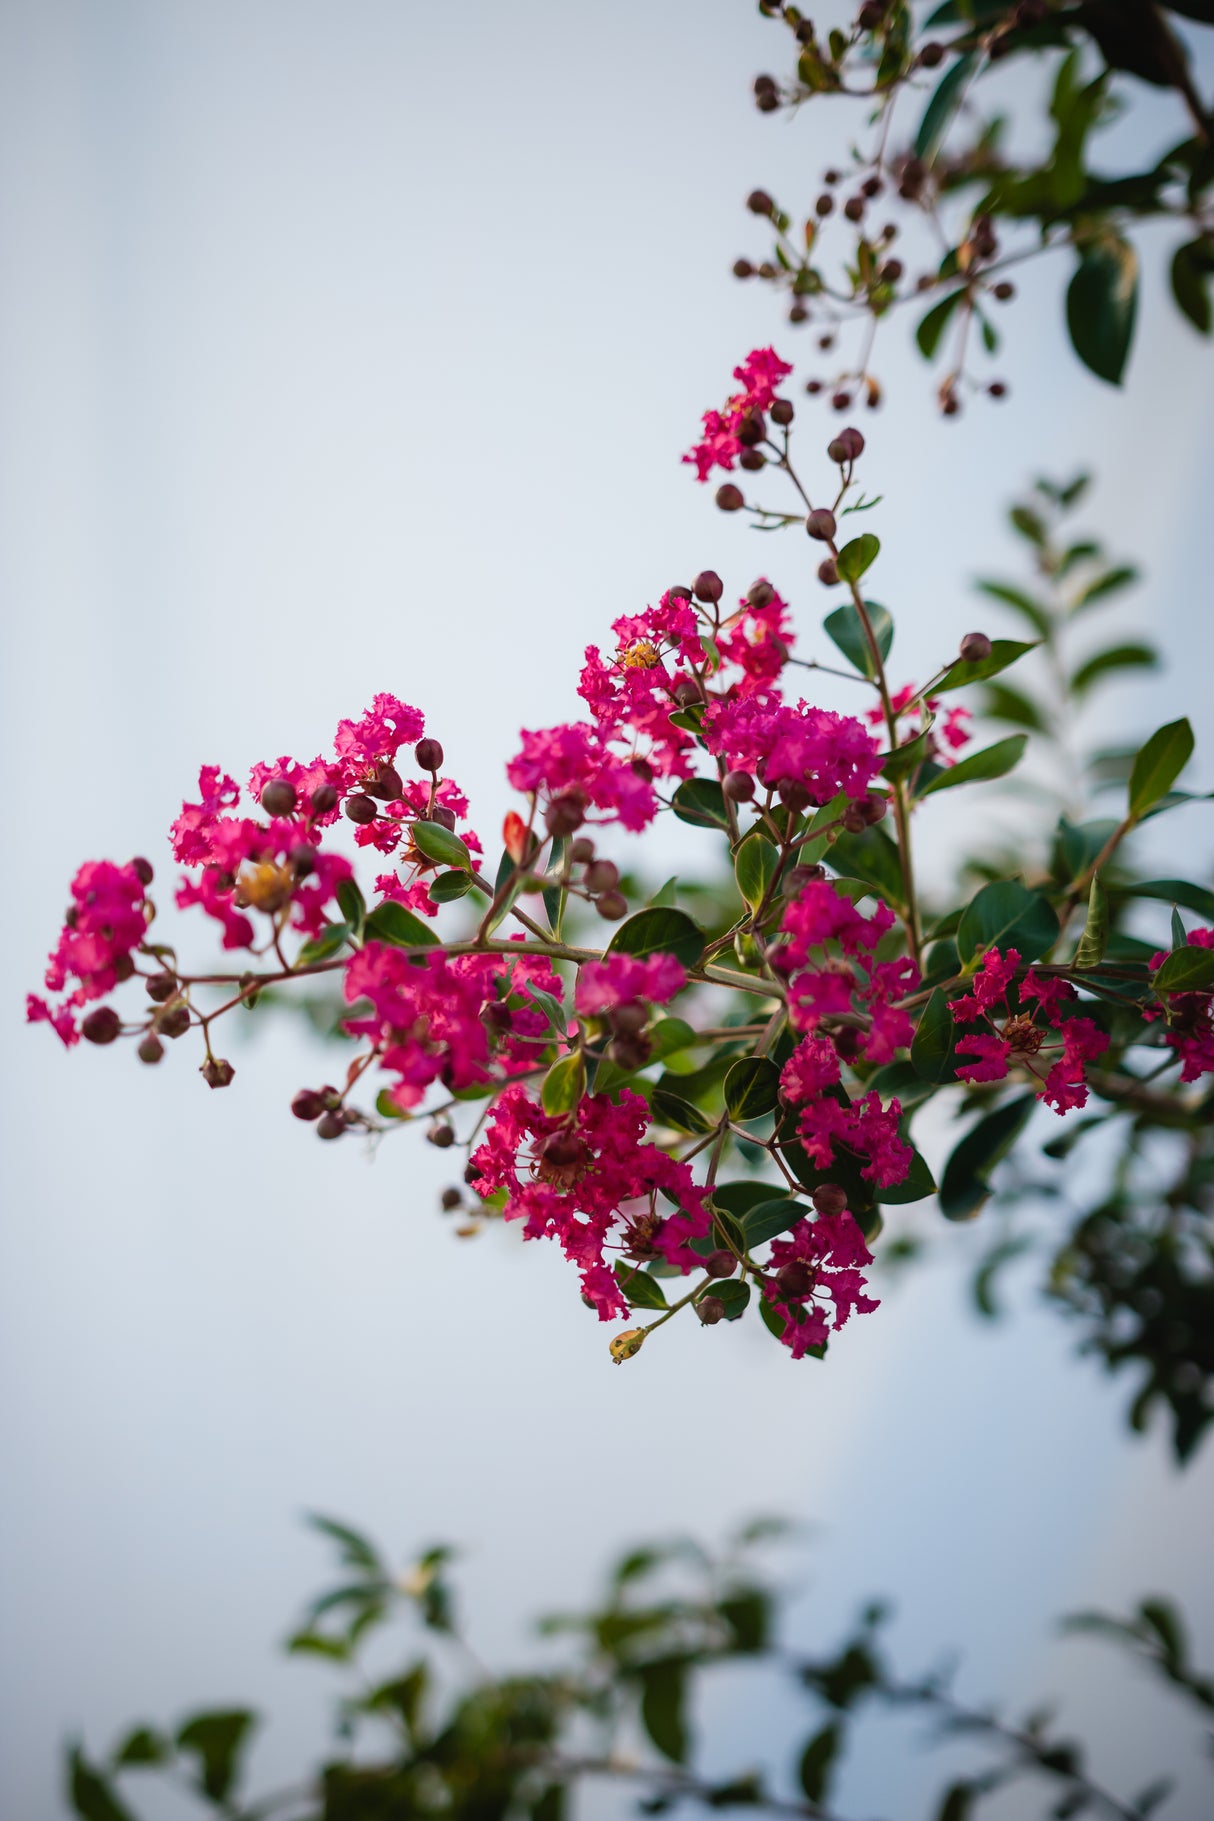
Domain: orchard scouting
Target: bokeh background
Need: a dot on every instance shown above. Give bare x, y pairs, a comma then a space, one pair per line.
354, 348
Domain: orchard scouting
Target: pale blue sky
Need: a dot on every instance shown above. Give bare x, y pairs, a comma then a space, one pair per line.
348, 349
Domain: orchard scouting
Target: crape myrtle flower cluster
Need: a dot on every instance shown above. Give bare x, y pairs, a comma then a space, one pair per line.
723, 1110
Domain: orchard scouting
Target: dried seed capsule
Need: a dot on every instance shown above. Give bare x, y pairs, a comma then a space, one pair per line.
710, 1310
175, 1022
360, 808
429, 755
829, 1198
612, 906
307, 1104
216, 1072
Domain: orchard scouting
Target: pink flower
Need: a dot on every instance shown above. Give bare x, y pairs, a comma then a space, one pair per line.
575, 759
760, 373
813, 1066
865, 1127
758, 640
191, 832
990, 986
819, 914
106, 922
363, 746
833, 1252
619, 979
992, 1053
951, 733
805, 754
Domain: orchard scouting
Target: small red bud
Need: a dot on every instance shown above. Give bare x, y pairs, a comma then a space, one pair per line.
738, 786
828, 571
602, 876
565, 814
151, 1049
829, 1198
279, 797
782, 412
821, 524
143, 869
307, 1104
331, 1125
720, 1264
710, 1310
360, 808
429, 755
729, 498
216, 1072
708, 586
441, 1136
582, 850
760, 203
975, 647
323, 799
612, 906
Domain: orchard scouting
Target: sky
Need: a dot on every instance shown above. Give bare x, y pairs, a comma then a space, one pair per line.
352, 349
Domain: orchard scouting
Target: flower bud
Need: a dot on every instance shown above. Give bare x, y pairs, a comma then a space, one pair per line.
847, 1042
931, 56
873, 807
429, 755
997, 388
821, 524
752, 460
175, 1022
160, 987
623, 1346
975, 647
679, 592
498, 1016
828, 572
760, 593
360, 808
829, 1198
708, 586
307, 1104
854, 208
472, 1173
793, 794
332, 1125
751, 430
742, 268
710, 1310
122, 966
562, 1150
323, 799
441, 1136
303, 860
801, 876
279, 797
686, 691
565, 814
387, 786
870, 15
216, 1072
612, 906
150, 1049
443, 816
582, 851
602, 876
841, 401
630, 1052
825, 204
1004, 290
451, 1198
720, 1264
782, 412
729, 498
738, 786
643, 769
760, 203
143, 870
854, 820
629, 1019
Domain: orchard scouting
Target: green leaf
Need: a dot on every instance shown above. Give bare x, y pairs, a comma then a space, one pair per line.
672, 1110
91, 1796
555, 898
449, 886
902, 760
957, 1802
1159, 764
870, 856
817, 1762
916, 1185
754, 868
391, 922
964, 1186
1114, 657
1175, 891
733, 1293
352, 904
932, 1046
1192, 264
845, 629
752, 1088
941, 110
857, 556
356, 1550
1006, 914
441, 844
670, 1035
770, 1218
1101, 302
1111, 582
331, 939
641, 1290
663, 1690
739, 1198
659, 931
564, 1084
1186, 970
216, 1739
1004, 652
1037, 615
932, 327
1003, 703
1179, 935
701, 802
142, 1746
1090, 951
992, 762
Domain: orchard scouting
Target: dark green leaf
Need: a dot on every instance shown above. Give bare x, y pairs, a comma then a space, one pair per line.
391, 922
1000, 702
754, 867
992, 762
216, 1739
904, 759
770, 1218
1165, 1622
670, 1035
752, 1088
660, 931
932, 1046
1004, 652
352, 904
1159, 764
1186, 970
932, 326
739, 1198
845, 629
330, 941
641, 1290
671, 1109
1101, 302
1005, 914
1111, 582
142, 1746
439, 843
870, 856
663, 1690
941, 110
1175, 891
1094, 939
356, 1550
449, 886
857, 557
817, 1762
1192, 264
564, 1084
916, 1185
964, 1186
1115, 657
701, 801
957, 1802
734, 1294
1037, 616
91, 1796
